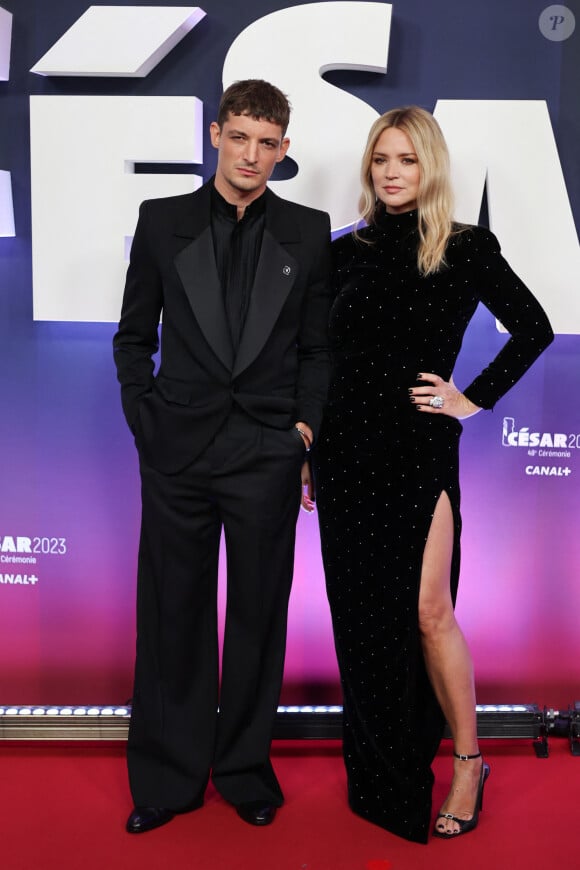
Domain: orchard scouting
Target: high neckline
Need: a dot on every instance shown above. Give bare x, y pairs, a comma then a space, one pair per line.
403, 219
402, 225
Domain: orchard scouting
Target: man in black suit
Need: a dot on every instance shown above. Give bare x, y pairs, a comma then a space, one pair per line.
222, 431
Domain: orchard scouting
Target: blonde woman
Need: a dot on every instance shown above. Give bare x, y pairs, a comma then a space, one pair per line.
407, 285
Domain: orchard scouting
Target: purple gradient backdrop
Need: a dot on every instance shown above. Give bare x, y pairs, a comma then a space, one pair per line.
69, 468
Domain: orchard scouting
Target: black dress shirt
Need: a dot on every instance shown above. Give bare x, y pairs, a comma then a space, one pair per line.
237, 246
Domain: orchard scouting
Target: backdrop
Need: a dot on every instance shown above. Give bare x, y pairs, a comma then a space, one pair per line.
101, 108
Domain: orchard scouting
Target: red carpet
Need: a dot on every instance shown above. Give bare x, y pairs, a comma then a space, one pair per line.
64, 806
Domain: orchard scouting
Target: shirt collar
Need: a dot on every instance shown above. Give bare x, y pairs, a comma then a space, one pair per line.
223, 208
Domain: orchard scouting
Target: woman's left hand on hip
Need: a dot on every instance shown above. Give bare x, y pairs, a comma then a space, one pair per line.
441, 397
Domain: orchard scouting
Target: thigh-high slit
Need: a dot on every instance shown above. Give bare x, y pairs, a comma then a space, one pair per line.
377, 492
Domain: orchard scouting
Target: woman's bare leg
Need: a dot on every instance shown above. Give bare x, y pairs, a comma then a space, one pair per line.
449, 665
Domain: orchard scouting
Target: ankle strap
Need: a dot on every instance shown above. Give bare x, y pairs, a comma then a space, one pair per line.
467, 757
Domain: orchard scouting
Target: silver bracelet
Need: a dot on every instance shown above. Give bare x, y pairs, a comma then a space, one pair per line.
304, 435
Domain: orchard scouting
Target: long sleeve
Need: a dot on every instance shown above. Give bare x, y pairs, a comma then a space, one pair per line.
137, 340
513, 304
313, 350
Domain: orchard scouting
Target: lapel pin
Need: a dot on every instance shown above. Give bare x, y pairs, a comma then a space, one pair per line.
286, 270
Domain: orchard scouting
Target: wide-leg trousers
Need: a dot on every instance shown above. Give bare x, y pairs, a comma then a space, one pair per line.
187, 725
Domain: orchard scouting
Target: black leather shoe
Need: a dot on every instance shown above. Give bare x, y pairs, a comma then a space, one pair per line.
256, 813
144, 819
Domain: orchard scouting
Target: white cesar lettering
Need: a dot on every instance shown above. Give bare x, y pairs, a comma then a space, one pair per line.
6, 204
329, 127
499, 145
85, 196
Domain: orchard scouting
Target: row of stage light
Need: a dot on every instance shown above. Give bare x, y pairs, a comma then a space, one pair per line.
517, 721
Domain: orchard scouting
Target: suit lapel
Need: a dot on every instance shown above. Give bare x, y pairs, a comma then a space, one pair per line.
197, 270
196, 267
275, 276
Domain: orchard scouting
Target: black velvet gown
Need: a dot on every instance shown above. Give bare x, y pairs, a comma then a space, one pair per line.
381, 466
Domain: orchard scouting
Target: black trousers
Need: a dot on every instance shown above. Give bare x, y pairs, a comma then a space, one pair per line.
248, 482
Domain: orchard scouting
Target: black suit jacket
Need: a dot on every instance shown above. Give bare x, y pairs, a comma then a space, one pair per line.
280, 373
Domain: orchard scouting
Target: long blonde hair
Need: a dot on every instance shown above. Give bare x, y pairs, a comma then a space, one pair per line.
435, 195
